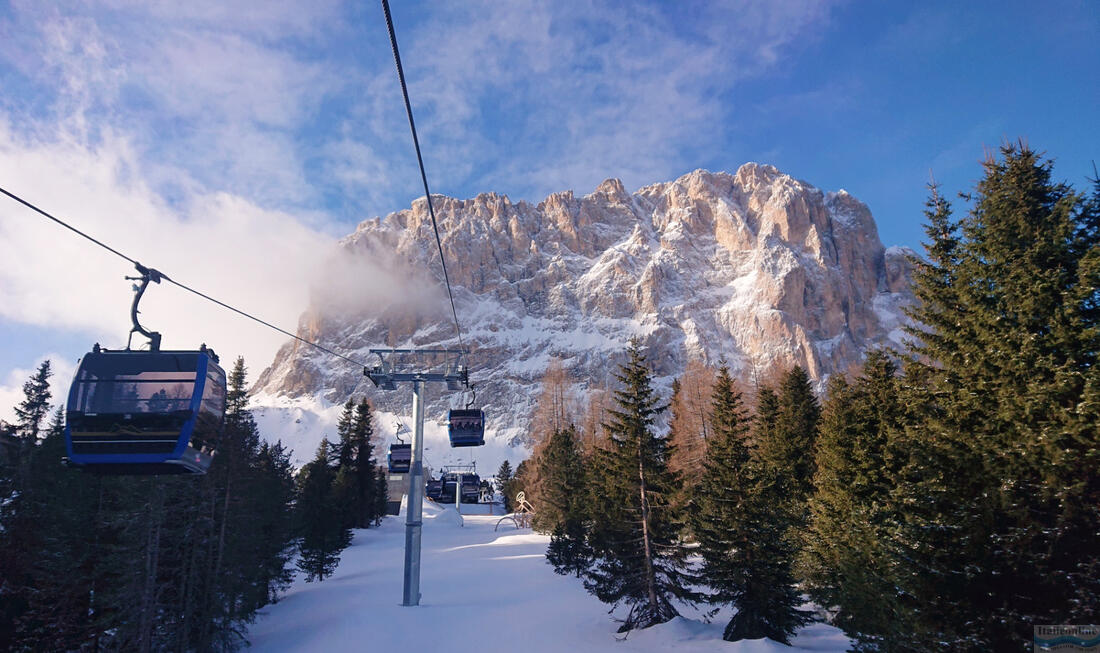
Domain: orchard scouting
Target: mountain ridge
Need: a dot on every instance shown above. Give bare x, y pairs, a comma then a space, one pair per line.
755, 268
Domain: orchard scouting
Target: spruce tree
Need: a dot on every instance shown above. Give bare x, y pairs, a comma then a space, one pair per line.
787, 443
561, 468
20, 538
345, 496
365, 465
35, 405
345, 452
845, 565
148, 563
354, 465
321, 526
719, 509
1000, 489
743, 518
519, 482
503, 477
639, 559
234, 481
59, 516
275, 495
564, 504
381, 493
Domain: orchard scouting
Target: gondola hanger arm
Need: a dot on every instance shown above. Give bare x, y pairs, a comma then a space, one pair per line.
147, 275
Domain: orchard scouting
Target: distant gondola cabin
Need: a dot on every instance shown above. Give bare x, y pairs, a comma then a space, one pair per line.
466, 427
399, 459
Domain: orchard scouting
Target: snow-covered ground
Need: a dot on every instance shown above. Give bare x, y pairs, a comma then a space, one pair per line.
482, 590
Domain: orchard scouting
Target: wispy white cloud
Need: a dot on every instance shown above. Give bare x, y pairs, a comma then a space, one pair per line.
221, 92
598, 90
254, 258
226, 143
292, 104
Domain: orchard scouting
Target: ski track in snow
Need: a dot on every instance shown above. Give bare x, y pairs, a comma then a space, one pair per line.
481, 591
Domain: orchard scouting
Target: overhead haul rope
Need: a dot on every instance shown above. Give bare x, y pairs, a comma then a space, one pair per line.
420, 161
165, 277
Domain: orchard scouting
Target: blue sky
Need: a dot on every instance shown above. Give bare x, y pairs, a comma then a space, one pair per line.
174, 128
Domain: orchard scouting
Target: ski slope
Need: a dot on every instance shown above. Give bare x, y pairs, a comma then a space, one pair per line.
481, 591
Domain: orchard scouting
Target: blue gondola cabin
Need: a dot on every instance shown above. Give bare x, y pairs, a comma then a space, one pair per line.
399, 459
145, 412
466, 427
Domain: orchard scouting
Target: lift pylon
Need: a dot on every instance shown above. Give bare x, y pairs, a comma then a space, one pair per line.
417, 366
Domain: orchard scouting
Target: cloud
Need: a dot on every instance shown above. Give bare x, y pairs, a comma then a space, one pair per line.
600, 91
11, 387
228, 144
256, 259
362, 281
220, 94
295, 105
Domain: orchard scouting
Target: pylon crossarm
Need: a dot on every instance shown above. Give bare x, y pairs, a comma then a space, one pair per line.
412, 365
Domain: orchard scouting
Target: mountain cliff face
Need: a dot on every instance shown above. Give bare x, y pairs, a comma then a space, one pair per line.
755, 268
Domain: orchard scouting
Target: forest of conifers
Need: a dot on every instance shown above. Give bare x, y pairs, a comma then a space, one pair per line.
942, 498
945, 498
169, 563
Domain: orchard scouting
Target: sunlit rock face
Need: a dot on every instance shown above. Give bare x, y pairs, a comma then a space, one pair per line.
755, 268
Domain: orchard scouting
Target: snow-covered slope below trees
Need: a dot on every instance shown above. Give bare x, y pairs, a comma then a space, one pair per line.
755, 268
483, 591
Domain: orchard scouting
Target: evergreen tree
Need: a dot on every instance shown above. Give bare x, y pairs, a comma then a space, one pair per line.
233, 475
787, 443
35, 405
345, 496
365, 465
721, 509
744, 518
519, 482
561, 468
381, 493
355, 483
564, 509
275, 526
148, 563
638, 557
322, 530
503, 478
843, 561
19, 536
345, 453
58, 517
1000, 487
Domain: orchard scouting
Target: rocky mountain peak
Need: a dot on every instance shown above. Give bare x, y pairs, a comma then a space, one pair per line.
755, 268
